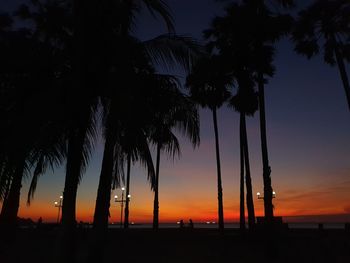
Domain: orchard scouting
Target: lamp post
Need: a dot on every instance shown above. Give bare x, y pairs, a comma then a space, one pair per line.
121, 207
59, 205
261, 197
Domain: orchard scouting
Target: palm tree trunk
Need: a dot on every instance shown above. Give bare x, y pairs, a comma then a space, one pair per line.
156, 187
104, 186
342, 70
9, 211
241, 204
100, 224
268, 206
78, 134
127, 200
73, 170
248, 180
67, 248
220, 195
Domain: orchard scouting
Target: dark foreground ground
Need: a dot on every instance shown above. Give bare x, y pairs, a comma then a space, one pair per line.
186, 245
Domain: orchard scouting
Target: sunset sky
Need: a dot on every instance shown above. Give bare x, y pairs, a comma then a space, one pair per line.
308, 125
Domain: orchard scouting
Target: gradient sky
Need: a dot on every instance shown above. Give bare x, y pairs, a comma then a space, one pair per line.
308, 125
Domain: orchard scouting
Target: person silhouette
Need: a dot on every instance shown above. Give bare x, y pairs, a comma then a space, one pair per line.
191, 223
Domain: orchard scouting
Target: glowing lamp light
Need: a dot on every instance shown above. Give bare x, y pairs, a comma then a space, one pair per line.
129, 196
115, 197
261, 197
56, 203
123, 188
61, 197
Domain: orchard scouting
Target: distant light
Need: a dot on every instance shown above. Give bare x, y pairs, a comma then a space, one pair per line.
132, 223
61, 196
258, 193
56, 203
213, 222
123, 188
129, 196
274, 193
178, 222
115, 197
208, 223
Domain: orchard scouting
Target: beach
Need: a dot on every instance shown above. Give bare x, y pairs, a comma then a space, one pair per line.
187, 245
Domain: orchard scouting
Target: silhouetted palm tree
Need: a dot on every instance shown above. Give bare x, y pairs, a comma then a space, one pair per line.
246, 103
234, 44
58, 22
126, 123
29, 139
137, 149
209, 86
5, 32
324, 27
247, 34
131, 60
134, 66
173, 111
242, 226
267, 27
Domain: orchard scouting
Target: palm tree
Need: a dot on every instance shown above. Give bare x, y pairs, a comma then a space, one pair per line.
267, 28
54, 24
324, 27
137, 149
246, 103
63, 25
246, 35
134, 66
26, 76
233, 43
172, 110
126, 122
132, 61
242, 226
209, 84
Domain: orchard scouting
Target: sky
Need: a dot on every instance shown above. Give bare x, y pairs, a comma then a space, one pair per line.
308, 127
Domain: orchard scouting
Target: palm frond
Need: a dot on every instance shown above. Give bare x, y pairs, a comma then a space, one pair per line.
161, 8
173, 50
118, 178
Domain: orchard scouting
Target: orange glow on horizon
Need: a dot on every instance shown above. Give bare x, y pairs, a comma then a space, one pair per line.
286, 206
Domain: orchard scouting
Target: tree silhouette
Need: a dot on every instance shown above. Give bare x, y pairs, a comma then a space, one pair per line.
267, 28
324, 27
172, 110
209, 87
246, 103
234, 43
246, 35
31, 139
133, 63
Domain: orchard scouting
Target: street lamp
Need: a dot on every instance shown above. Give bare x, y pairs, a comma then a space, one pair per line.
261, 197
59, 205
122, 205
